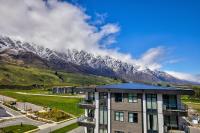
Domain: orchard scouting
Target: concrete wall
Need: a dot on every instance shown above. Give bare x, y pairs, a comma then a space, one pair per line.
126, 107
193, 130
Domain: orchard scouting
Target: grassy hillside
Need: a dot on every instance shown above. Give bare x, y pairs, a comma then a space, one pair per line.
18, 75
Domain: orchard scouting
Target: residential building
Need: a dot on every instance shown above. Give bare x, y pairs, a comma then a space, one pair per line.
133, 108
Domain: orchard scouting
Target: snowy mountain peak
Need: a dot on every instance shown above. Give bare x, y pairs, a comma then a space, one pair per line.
81, 61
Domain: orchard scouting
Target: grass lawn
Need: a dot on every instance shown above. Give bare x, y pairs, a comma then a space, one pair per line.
17, 129
66, 104
66, 129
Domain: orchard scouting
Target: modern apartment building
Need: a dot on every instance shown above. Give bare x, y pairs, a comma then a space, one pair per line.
132, 108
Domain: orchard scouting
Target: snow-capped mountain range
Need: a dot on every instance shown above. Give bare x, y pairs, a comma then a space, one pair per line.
77, 61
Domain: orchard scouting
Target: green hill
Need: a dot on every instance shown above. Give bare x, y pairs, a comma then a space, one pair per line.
28, 76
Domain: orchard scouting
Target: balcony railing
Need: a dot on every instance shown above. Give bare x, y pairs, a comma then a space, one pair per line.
87, 104
181, 109
86, 121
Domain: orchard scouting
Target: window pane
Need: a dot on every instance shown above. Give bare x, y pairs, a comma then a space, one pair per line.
132, 97
130, 100
117, 116
148, 103
172, 101
152, 122
173, 121
154, 103
105, 117
155, 122
118, 97
121, 116
148, 122
135, 117
130, 117
101, 116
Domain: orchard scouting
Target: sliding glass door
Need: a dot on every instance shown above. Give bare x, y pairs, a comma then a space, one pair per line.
152, 114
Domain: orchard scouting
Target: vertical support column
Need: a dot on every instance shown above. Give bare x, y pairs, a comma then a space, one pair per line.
109, 112
144, 113
86, 111
179, 106
86, 114
160, 113
96, 130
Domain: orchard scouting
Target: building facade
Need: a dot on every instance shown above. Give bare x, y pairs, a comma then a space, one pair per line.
132, 108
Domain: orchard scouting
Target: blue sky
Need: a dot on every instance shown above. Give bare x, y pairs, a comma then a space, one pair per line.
172, 24
156, 34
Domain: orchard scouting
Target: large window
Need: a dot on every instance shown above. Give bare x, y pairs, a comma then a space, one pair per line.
103, 95
119, 116
151, 101
103, 130
170, 101
103, 118
132, 117
132, 98
171, 122
152, 123
118, 97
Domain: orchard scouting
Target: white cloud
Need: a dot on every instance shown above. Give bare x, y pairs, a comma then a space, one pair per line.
185, 76
61, 25
152, 58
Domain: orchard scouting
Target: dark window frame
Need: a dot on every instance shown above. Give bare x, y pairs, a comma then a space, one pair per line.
119, 97
119, 131
135, 117
134, 95
119, 116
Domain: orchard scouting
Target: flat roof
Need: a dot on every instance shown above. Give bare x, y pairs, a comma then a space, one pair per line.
140, 87
133, 86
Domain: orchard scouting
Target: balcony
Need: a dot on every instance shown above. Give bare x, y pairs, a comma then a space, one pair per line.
181, 110
87, 104
86, 121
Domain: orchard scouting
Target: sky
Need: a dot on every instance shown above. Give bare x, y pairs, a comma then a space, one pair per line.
161, 35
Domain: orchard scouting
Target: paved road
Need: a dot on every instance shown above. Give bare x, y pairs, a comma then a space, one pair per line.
10, 111
51, 127
78, 130
19, 120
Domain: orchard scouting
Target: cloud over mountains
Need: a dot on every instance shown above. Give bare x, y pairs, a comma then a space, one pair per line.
61, 25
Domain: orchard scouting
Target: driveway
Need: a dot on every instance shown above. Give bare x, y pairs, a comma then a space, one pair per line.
47, 128
3, 112
17, 118
10, 111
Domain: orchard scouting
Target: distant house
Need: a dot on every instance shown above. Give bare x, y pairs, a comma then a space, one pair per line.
65, 90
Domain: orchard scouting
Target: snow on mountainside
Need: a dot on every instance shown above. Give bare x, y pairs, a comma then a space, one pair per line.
77, 61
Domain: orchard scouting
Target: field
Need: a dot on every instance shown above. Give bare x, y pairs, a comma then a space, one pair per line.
17, 129
28, 76
66, 129
193, 103
66, 104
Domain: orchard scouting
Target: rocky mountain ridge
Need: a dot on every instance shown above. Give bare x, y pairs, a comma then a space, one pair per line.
77, 61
